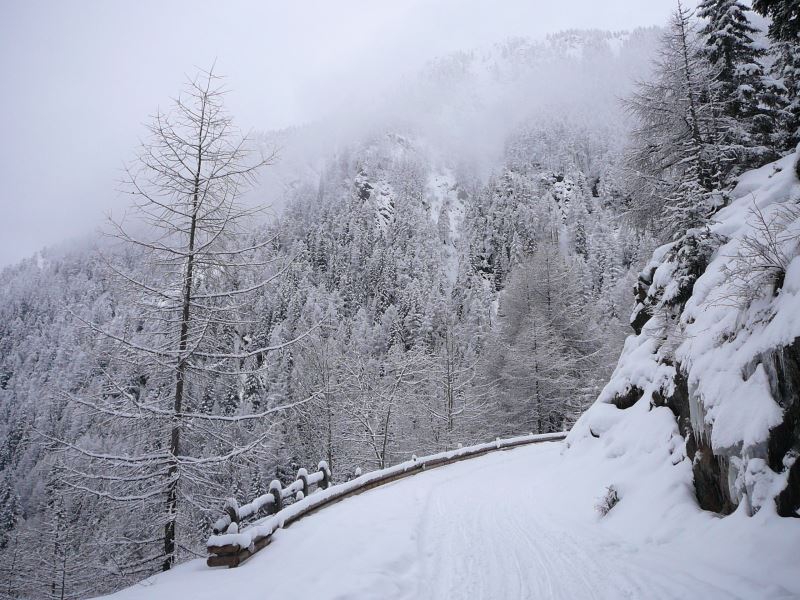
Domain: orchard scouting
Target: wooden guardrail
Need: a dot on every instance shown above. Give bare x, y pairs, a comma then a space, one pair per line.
242, 530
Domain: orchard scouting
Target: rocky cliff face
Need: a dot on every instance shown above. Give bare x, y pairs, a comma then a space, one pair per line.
717, 343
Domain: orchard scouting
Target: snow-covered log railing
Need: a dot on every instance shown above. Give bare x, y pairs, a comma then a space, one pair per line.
234, 540
272, 502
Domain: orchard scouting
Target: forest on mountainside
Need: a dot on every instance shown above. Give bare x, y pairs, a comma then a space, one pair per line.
416, 290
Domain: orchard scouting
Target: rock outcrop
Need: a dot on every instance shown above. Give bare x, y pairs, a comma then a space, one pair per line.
717, 342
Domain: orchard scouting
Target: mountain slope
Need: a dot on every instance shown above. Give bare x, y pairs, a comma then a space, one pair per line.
417, 237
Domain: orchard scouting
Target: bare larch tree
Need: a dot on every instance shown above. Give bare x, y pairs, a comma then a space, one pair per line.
178, 368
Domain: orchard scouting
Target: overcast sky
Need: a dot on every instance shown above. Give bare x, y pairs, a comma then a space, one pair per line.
80, 77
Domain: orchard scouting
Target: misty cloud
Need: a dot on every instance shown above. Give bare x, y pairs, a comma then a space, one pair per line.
84, 76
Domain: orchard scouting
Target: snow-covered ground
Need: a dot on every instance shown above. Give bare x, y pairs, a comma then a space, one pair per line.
515, 524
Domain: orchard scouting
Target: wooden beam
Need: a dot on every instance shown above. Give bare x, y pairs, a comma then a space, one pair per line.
232, 555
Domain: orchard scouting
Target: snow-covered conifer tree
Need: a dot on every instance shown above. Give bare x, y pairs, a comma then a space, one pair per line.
10, 509
740, 82
785, 15
677, 157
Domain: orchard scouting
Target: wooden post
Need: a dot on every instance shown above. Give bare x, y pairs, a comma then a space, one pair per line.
232, 510
302, 475
326, 475
275, 490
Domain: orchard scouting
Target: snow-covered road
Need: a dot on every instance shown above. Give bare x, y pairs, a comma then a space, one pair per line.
513, 524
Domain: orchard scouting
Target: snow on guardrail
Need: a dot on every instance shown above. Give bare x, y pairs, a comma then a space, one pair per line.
231, 543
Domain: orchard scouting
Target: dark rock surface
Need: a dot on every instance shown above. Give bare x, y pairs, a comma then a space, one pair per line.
710, 471
629, 398
782, 366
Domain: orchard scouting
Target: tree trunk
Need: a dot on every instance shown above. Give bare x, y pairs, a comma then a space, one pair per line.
180, 370
697, 138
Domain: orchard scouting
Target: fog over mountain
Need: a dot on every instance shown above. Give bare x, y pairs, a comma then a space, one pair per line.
75, 110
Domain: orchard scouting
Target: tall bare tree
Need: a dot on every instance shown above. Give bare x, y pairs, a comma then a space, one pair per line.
177, 368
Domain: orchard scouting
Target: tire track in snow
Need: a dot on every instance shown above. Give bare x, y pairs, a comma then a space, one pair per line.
506, 539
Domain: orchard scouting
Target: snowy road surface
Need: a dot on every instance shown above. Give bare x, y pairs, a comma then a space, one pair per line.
513, 524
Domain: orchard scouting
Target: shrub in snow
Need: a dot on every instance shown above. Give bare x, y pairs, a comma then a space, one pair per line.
764, 254
607, 501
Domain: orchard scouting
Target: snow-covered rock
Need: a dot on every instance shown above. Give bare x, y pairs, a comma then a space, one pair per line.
713, 371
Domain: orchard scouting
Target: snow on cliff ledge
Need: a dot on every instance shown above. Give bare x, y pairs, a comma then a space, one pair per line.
713, 374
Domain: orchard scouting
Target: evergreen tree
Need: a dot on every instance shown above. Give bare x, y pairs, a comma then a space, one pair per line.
784, 31
739, 78
785, 15
10, 509
786, 73
752, 101
731, 49
17, 560
66, 569
678, 155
